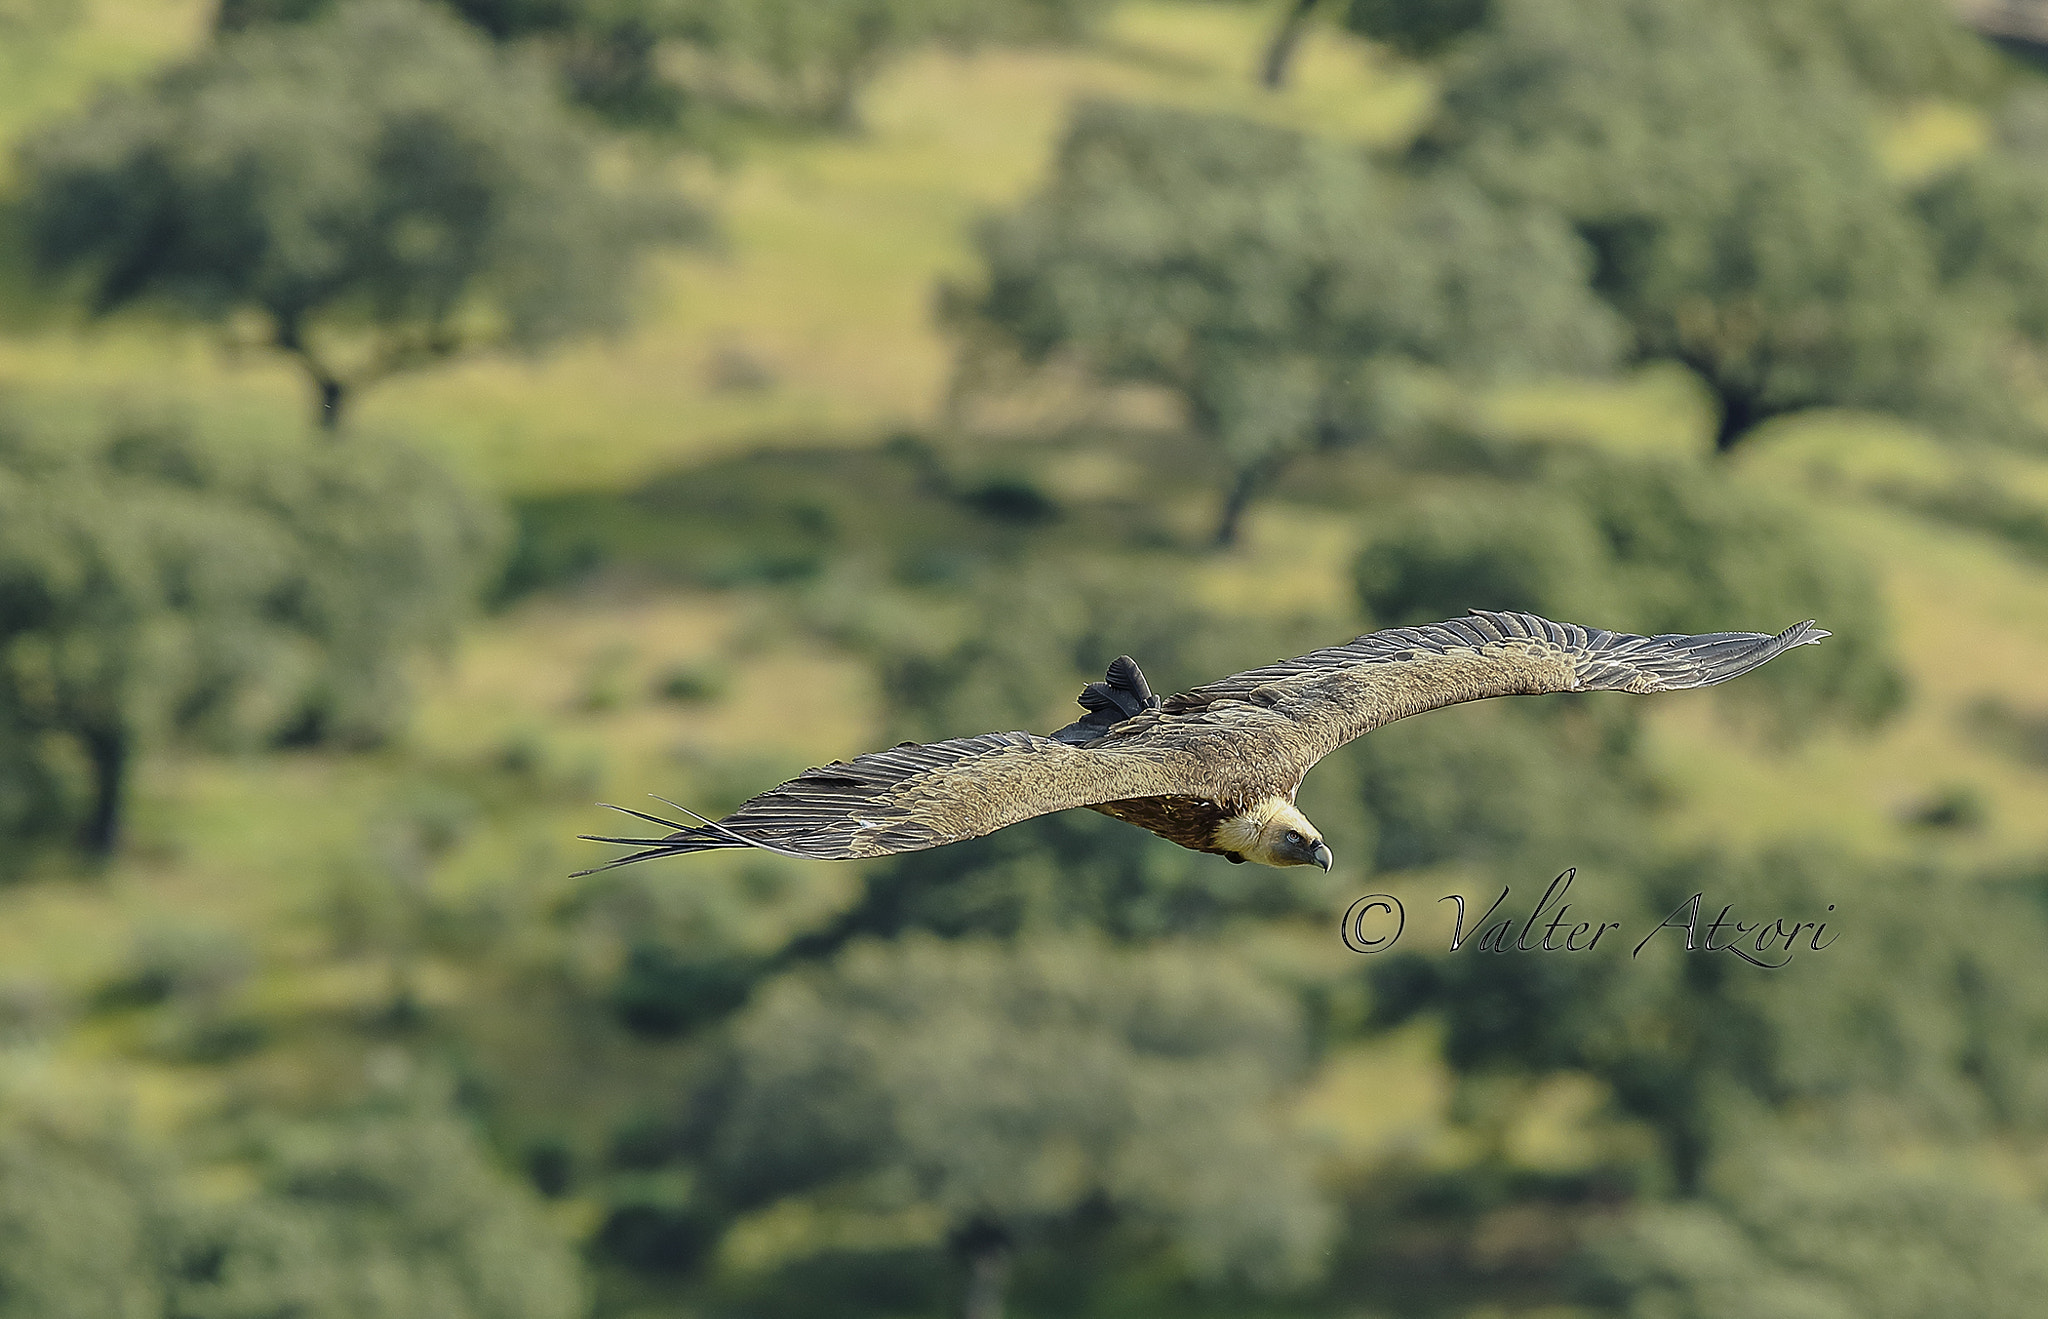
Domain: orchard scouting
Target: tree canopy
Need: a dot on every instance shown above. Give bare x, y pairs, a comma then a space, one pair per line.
1005, 1089
810, 61
1897, 50
1800, 1232
1272, 283
1988, 218
1740, 219
154, 584
380, 1215
800, 61
381, 191
86, 1224
1415, 28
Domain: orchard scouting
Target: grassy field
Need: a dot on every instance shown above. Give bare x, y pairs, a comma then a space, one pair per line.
811, 327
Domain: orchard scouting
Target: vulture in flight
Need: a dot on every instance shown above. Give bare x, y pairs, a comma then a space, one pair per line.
1214, 769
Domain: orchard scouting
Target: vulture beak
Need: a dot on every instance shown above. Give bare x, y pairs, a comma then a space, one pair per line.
1322, 856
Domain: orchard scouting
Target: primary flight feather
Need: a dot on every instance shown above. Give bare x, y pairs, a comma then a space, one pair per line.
1214, 769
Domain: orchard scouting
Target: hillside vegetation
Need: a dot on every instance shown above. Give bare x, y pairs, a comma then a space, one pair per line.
767, 524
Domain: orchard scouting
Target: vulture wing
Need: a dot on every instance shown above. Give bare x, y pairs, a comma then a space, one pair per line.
915, 796
1335, 694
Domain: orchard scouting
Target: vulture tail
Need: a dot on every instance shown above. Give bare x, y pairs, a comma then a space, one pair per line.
1122, 694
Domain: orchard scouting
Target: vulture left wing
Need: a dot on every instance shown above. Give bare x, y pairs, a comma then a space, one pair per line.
915, 796
1341, 692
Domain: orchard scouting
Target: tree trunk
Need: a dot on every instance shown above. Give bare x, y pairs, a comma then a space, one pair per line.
1280, 52
1740, 414
988, 1277
330, 391
333, 394
1251, 480
1688, 1151
107, 749
985, 1246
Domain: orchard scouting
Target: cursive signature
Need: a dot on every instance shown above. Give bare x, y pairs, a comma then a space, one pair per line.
1375, 922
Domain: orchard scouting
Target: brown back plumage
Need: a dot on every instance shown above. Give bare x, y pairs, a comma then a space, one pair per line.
1244, 738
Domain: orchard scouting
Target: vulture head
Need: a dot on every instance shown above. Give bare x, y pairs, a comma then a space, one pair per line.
1273, 833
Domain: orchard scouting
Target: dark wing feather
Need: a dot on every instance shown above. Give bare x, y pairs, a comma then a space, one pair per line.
915, 796
1340, 692
1122, 694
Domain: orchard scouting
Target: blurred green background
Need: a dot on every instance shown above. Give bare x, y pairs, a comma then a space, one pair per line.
421, 419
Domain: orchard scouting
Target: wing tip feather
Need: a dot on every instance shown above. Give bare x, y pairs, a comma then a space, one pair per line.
1680, 662
708, 836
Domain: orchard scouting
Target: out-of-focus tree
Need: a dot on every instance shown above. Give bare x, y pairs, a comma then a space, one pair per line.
121, 599
152, 585
1273, 284
1829, 1235
1417, 29
381, 1215
605, 50
377, 192
1741, 220
396, 1216
1989, 220
86, 1226
1897, 1012
648, 61
809, 61
393, 550
999, 1091
32, 790
1899, 50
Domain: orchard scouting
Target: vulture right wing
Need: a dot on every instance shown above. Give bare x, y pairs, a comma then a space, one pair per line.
1341, 692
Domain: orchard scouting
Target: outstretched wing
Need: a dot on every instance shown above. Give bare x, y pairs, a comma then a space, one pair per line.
915, 796
1341, 692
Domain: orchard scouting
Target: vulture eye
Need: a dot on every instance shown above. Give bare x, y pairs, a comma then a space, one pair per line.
1294, 836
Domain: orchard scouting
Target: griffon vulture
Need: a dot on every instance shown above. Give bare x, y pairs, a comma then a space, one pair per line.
1214, 769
